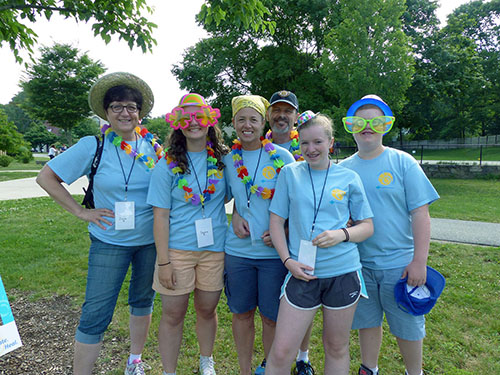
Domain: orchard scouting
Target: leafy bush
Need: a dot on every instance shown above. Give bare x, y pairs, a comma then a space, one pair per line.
5, 160
24, 155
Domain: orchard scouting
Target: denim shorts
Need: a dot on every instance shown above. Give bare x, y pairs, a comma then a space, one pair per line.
251, 283
370, 312
107, 268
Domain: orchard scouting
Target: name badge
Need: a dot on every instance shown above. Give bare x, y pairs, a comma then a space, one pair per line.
204, 232
124, 215
307, 255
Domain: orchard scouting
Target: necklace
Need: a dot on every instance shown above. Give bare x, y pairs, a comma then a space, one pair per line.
294, 146
118, 141
183, 184
264, 193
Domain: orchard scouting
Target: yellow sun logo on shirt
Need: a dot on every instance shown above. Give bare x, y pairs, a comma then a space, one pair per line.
269, 173
385, 178
338, 194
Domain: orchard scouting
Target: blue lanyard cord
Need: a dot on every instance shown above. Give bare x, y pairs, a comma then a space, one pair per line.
126, 179
197, 181
316, 209
253, 180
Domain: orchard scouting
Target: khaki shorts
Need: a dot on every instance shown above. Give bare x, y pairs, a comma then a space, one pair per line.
202, 270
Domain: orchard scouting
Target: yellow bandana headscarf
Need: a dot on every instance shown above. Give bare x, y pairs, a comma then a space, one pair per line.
256, 102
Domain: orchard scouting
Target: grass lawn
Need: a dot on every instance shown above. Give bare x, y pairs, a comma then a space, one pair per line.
489, 154
16, 165
476, 200
463, 330
7, 176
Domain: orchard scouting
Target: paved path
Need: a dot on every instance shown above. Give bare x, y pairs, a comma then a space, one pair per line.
470, 232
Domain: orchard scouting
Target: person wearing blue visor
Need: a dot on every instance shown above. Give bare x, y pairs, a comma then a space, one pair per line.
399, 194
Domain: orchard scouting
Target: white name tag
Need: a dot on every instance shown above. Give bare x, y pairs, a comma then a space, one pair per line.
307, 255
124, 215
204, 232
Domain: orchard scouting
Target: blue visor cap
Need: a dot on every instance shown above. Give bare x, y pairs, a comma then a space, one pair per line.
419, 300
383, 107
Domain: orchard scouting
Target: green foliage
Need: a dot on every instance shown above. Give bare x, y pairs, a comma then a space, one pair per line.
24, 155
58, 85
87, 126
158, 127
17, 114
241, 14
370, 53
39, 136
108, 17
5, 160
9, 176
10, 138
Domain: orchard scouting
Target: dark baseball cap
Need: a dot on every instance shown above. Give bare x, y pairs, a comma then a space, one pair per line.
284, 96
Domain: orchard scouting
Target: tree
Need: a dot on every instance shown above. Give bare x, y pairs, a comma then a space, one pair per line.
39, 136
158, 127
368, 53
10, 139
108, 17
58, 86
17, 114
235, 60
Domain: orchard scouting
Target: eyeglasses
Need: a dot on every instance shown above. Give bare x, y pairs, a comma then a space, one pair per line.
380, 124
205, 116
118, 108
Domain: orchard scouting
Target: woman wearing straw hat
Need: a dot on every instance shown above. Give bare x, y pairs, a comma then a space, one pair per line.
121, 225
187, 192
253, 270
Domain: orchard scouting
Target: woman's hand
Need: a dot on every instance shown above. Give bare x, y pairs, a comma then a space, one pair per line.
297, 270
240, 226
166, 276
96, 216
329, 238
266, 237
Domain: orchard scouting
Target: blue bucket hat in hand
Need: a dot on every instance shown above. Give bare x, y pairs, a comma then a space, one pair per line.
419, 300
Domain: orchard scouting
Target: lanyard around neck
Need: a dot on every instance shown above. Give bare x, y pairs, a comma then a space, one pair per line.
126, 179
198, 182
316, 209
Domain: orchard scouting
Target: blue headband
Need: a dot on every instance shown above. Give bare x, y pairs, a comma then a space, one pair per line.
380, 104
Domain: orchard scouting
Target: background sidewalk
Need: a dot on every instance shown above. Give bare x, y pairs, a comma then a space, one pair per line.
470, 232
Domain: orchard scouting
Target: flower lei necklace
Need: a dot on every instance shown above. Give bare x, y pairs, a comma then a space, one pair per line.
237, 154
118, 141
294, 146
183, 184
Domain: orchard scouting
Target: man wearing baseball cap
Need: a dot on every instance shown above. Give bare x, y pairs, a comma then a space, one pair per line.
282, 115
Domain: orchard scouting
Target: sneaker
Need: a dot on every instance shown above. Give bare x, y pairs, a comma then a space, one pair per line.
303, 368
207, 366
363, 370
261, 370
135, 368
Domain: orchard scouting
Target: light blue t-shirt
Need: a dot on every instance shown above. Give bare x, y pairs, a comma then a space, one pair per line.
164, 193
263, 174
395, 185
343, 197
109, 186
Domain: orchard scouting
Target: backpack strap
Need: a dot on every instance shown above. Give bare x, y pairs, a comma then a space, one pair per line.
88, 200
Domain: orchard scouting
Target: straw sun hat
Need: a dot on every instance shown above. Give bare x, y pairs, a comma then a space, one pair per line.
99, 89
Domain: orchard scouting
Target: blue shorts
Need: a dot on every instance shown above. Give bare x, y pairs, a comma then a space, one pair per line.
370, 312
108, 266
251, 283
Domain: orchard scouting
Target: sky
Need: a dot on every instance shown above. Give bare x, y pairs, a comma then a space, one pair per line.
177, 30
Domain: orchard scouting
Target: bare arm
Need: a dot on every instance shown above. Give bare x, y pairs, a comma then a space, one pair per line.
161, 231
52, 184
360, 231
240, 225
277, 231
421, 226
